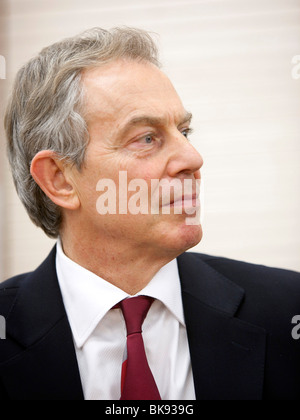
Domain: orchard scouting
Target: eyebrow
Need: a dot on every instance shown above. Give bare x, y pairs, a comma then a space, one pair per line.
154, 121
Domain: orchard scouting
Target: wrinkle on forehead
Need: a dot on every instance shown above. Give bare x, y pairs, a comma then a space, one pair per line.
124, 87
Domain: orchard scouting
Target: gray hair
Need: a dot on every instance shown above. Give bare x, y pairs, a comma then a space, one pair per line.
46, 108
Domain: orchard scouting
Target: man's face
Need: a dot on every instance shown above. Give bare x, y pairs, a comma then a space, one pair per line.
137, 124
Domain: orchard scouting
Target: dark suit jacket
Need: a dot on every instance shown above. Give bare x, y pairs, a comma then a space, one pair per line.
239, 324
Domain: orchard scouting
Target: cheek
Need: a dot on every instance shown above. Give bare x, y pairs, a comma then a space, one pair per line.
109, 168
147, 169
87, 195
147, 174
86, 186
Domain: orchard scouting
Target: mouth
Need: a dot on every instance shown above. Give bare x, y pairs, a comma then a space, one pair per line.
184, 202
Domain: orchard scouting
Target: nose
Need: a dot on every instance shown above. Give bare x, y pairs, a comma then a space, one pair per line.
185, 160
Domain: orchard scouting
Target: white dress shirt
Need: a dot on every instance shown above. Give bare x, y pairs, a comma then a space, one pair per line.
99, 332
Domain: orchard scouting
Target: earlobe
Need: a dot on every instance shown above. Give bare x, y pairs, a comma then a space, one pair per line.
51, 175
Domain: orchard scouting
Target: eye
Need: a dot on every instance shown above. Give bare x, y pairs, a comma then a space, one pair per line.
187, 132
148, 139
146, 142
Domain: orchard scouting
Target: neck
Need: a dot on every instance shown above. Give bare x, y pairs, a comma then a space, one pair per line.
128, 268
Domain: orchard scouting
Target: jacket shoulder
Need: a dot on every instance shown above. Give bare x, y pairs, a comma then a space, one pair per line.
13, 282
8, 292
29, 285
272, 295
246, 274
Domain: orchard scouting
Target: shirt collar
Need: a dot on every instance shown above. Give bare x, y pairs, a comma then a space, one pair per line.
87, 297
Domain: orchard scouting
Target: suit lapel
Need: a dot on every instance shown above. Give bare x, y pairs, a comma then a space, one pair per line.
45, 353
227, 354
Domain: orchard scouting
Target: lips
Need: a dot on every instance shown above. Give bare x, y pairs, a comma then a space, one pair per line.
185, 201
178, 194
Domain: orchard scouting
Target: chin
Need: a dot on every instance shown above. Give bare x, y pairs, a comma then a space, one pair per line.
182, 239
191, 236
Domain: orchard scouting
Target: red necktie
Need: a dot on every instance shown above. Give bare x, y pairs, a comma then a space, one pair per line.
137, 379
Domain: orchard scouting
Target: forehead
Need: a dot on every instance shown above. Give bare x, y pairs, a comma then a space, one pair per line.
124, 89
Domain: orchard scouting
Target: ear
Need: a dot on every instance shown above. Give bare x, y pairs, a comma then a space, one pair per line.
53, 177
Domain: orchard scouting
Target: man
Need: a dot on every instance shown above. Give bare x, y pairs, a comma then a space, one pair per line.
96, 110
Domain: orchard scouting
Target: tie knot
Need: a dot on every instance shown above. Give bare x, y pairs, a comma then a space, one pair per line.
135, 311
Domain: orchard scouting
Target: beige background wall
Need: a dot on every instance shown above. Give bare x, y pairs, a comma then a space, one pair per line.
231, 61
